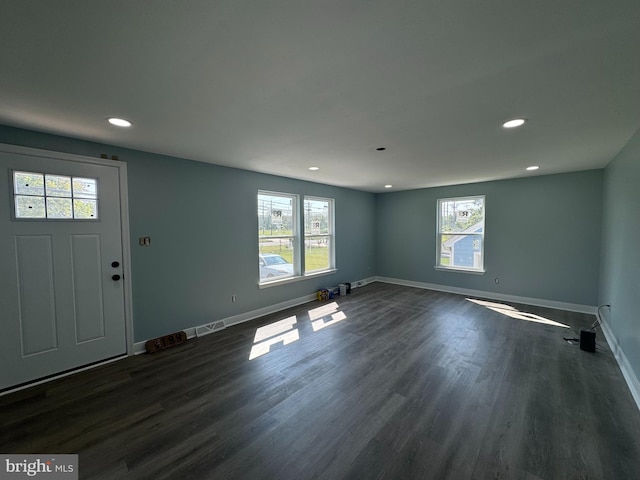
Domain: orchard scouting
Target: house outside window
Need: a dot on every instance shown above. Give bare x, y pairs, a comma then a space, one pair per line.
460, 230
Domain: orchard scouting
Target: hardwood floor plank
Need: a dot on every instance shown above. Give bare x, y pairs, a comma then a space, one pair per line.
388, 382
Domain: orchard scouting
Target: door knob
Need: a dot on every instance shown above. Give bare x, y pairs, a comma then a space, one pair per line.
115, 277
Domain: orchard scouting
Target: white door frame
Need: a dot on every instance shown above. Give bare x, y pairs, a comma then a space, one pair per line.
124, 219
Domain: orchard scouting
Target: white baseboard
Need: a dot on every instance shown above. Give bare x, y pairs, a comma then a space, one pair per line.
621, 359
539, 302
217, 325
205, 329
363, 282
623, 362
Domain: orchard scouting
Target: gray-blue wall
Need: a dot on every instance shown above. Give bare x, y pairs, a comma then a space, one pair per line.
202, 220
620, 276
542, 236
569, 238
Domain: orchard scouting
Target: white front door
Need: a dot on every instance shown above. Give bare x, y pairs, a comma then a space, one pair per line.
61, 286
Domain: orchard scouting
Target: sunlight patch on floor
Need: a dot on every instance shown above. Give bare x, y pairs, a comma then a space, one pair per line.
335, 318
284, 331
275, 328
323, 310
513, 312
318, 315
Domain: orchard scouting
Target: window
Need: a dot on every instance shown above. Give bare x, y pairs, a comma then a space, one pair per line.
277, 236
284, 242
461, 234
54, 197
318, 234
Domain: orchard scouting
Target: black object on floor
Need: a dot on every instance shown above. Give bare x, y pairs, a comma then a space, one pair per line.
587, 340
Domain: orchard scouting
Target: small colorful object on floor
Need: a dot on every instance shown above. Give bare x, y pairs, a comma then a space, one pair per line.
323, 294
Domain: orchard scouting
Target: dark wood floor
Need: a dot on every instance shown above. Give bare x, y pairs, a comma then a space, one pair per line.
404, 384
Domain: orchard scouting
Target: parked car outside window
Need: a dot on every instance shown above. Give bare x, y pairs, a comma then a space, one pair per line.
274, 266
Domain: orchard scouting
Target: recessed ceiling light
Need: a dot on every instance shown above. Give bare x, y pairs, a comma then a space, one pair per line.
314, 168
119, 122
516, 122
533, 167
388, 185
381, 149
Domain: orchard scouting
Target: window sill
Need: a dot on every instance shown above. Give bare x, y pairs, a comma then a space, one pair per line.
284, 281
321, 273
459, 270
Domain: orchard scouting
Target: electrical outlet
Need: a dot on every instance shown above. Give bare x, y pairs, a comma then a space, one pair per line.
234, 298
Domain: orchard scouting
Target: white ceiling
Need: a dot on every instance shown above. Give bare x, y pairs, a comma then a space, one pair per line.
280, 85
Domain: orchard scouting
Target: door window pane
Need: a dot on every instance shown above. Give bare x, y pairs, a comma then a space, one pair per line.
28, 183
55, 197
29, 207
86, 209
58, 186
85, 188
59, 208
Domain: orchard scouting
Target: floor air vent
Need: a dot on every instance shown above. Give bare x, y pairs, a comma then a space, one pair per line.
210, 328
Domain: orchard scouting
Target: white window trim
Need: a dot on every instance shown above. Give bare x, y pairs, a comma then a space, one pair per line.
295, 238
467, 270
459, 270
284, 281
299, 237
331, 235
